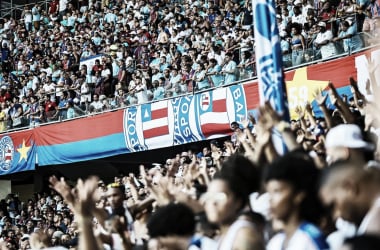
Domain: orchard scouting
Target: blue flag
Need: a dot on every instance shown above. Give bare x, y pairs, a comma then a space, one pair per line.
269, 57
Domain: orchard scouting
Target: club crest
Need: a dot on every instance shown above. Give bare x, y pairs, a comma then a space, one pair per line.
6, 153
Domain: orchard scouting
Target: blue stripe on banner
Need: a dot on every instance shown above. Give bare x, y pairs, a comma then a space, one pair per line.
82, 150
238, 97
130, 130
269, 57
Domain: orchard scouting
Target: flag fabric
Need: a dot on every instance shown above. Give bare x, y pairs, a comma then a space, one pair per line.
17, 152
82, 139
155, 119
213, 112
269, 57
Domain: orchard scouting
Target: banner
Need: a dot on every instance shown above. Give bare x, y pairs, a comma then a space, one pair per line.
81, 140
185, 119
17, 152
169, 122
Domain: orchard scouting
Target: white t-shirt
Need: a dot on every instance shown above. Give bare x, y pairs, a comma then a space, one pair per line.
141, 93
62, 5
328, 49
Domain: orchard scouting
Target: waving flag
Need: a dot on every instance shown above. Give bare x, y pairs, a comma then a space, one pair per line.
17, 152
269, 57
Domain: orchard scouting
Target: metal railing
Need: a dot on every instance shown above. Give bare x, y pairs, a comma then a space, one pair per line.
14, 8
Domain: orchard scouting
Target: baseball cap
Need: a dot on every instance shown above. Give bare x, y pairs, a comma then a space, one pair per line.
347, 135
297, 2
322, 24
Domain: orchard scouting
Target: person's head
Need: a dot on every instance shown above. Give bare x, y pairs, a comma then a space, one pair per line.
115, 195
234, 126
171, 226
344, 25
228, 192
296, 29
349, 190
322, 26
291, 182
345, 142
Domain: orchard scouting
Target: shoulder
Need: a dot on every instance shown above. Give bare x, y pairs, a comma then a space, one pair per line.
247, 237
311, 236
276, 242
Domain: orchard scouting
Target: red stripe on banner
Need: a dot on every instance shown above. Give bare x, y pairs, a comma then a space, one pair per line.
154, 132
324, 72
252, 96
219, 105
81, 129
210, 129
159, 113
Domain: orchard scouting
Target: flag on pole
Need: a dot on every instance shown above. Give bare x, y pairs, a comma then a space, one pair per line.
269, 57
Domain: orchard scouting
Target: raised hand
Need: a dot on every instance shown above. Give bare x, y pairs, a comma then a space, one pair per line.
61, 187
245, 123
87, 194
252, 118
319, 97
333, 94
300, 112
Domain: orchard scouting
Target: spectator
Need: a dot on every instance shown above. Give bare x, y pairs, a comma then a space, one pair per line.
200, 78
214, 73
229, 69
345, 143
291, 184
323, 41
350, 39
336, 189
225, 199
96, 105
298, 45
372, 14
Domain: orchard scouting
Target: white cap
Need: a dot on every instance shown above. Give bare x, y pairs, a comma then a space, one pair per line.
322, 24
347, 135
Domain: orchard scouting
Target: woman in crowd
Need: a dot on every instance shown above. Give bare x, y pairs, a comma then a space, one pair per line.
298, 45
295, 210
226, 199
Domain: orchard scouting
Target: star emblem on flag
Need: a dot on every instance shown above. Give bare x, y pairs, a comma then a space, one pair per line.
23, 150
301, 89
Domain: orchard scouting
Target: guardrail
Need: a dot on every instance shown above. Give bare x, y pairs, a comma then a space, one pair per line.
16, 9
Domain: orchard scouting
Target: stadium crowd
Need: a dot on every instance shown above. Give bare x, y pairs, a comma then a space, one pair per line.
242, 193
152, 50
237, 193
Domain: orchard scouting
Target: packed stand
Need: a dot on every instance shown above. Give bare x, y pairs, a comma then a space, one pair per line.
241, 192
151, 50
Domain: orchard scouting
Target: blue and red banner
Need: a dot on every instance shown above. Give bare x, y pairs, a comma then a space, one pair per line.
169, 122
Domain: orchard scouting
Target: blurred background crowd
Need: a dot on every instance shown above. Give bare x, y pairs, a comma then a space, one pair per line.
151, 50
